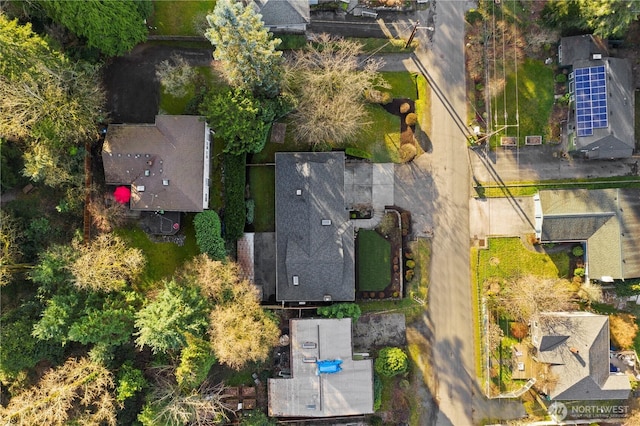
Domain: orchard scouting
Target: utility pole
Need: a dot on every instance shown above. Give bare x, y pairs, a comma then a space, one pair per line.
413, 34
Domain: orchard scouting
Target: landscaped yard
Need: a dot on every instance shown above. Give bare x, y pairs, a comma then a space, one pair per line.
182, 17
262, 182
508, 257
531, 102
374, 261
162, 258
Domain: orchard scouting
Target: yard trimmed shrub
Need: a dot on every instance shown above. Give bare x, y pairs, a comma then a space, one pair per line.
377, 392
560, 78
251, 210
577, 251
391, 361
411, 119
407, 152
341, 310
207, 227
234, 206
519, 330
578, 272
404, 108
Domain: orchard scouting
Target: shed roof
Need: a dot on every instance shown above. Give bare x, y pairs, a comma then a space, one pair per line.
314, 236
165, 163
277, 13
307, 394
581, 47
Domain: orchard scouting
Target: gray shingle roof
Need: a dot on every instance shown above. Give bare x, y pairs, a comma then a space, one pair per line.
581, 47
607, 219
576, 344
281, 13
168, 158
320, 256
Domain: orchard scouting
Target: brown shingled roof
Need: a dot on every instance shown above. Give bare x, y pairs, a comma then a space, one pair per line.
165, 163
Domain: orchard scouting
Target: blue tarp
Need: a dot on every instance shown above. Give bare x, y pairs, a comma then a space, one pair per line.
329, 366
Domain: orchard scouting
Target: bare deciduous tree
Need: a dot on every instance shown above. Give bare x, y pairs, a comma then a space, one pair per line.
175, 75
79, 391
106, 213
528, 295
107, 264
330, 83
171, 405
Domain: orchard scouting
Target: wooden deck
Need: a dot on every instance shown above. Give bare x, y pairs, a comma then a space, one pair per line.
523, 366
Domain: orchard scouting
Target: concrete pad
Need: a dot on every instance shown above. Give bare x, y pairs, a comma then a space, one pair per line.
383, 185
504, 217
378, 330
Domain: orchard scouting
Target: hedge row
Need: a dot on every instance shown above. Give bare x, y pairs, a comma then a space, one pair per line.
234, 206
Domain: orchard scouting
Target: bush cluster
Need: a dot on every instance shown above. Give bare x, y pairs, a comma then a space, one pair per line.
341, 310
391, 361
207, 227
234, 205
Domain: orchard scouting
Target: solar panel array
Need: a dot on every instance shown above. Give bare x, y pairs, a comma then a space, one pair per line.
591, 99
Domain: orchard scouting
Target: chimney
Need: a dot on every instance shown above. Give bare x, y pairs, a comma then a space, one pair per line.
574, 350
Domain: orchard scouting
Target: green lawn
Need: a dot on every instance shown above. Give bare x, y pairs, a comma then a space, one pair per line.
374, 261
403, 84
507, 258
534, 98
528, 188
179, 17
162, 258
637, 120
419, 285
262, 181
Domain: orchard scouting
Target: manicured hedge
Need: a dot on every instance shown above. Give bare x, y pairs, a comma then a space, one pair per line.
234, 206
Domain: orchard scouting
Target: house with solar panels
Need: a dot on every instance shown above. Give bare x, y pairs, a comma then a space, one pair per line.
601, 120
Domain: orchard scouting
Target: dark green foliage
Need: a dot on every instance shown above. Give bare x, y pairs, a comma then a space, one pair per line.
114, 27
604, 18
61, 312
341, 310
234, 186
251, 210
627, 288
207, 226
577, 251
377, 392
130, 381
21, 350
391, 361
112, 325
473, 16
163, 323
52, 271
256, 418
560, 78
360, 153
11, 165
242, 120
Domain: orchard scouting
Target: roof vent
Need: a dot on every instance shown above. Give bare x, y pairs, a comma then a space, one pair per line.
147, 172
311, 406
140, 188
150, 163
574, 350
165, 182
296, 281
326, 222
327, 298
298, 192
596, 56
309, 345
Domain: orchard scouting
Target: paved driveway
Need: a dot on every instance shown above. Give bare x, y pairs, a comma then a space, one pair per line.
506, 217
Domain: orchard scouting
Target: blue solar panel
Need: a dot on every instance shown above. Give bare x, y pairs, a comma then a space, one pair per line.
591, 99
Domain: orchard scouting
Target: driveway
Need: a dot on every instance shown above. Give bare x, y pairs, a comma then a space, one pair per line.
505, 217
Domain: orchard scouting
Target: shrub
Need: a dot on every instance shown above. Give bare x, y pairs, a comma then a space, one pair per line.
408, 255
409, 274
473, 16
378, 96
341, 310
577, 251
407, 152
207, 227
578, 272
560, 78
130, 381
623, 330
251, 210
234, 186
411, 119
391, 361
479, 87
377, 392
411, 264
407, 138
405, 108
519, 330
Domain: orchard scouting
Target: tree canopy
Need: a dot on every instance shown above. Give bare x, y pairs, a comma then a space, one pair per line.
107, 264
163, 323
112, 26
606, 18
245, 48
330, 85
48, 103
